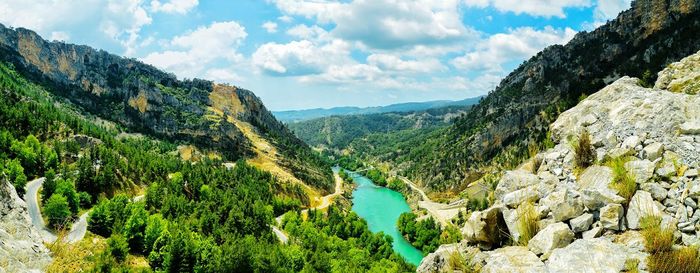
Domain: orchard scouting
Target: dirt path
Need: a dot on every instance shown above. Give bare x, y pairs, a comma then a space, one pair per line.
442, 213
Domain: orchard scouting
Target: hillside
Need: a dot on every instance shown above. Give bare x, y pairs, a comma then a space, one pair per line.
293, 116
511, 123
222, 121
619, 187
337, 132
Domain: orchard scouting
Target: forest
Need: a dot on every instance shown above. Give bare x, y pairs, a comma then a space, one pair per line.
203, 217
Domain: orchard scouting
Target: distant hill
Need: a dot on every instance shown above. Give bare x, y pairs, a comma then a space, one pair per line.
302, 115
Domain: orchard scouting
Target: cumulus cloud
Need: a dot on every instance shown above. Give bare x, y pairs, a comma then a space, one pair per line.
386, 24
174, 6
387, 62
270, 27
517, 44
307, 32
196, 53
299, 57
544, 8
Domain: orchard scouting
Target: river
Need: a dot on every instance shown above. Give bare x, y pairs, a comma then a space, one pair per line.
381, 208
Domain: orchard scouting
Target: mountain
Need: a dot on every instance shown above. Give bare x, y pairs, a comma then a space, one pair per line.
511, 123
302, 115
337, 132
220, 120
612, 188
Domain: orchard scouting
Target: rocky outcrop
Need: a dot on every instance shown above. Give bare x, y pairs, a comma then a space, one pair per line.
582, 217
21, 246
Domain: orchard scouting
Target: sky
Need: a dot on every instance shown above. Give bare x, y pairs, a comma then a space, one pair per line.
301, 54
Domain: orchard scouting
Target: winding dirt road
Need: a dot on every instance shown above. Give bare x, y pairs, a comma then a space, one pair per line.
78, 229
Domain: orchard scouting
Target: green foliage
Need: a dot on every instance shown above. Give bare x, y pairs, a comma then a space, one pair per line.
15, 173
584, 155
647, 79
49, 186
100, 220
67, 189
57, 211
135, 228
377, 177
155, 228
397, 185
118, 248
85, 199
623, 182
426, 234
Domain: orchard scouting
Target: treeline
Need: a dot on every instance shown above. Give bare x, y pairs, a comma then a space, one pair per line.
426, 234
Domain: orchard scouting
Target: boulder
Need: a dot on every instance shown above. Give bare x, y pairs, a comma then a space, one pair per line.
438, 260
610, 216
513, 181
594, 199
484, 227
595, 177
563, 205
529, 194
596, 255
581, 223
657, 191
653, 151
641, 205
552, 237
690, 127
512, 259
641, 170
593, 233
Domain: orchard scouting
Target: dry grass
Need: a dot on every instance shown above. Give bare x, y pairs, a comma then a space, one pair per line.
527, 223
656, 237
463, 263
623, 182
75, 257
584, 155
632, 266
658, 241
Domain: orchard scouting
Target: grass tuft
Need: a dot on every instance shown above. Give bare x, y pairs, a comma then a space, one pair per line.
658, 241
463, 262
584, 155
623, 181
527, 223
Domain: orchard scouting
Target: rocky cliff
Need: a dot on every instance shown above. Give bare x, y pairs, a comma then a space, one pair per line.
580, 218
141, 98
21, 246
498, 131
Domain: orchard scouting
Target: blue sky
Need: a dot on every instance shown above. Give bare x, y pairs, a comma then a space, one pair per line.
298, 54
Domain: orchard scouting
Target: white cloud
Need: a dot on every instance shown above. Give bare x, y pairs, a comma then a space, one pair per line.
285, 19
386, 24
194, 53
223, 75
517, 44
59, 36
174, 6
270, 27
387, 62
544, 8
299, 57
609, 9
307, 32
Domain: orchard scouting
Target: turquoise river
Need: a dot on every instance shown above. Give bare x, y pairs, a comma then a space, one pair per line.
381, 208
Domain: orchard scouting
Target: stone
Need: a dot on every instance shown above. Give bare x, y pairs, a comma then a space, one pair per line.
641, 170
529, 194
653, 151
592, 255
630, 142
690, 128
483, 227
513, 181
691, 173
563, 205
594, 199
610, 216
438, 260
552, 237
690, 240
657, 191
593, 233
666, 171
595, 177
618, 152
512, 259
581, 223
641, 205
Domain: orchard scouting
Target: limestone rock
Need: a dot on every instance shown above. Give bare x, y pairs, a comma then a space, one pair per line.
513, 259
483, 227
563, 205
653, 151
593, 233
513, 181
610, 216
641, 170
690, 128
641, 205
581, 223
596, 255
595, 177
681, 76
656, 190
552, 237
513, 199
594, 199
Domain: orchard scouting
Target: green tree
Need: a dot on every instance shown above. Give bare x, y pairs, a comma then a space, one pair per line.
15, 172
135, 228
58, 211
154, 229
100, 220
85, 199
118, 247
67, 189
49, 185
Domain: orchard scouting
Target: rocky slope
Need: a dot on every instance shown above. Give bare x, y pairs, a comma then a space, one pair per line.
21, 246
140, 97
580, 215
498, 131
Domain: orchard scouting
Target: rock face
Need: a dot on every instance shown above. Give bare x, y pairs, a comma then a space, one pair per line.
21, 246
582, 216
512, 259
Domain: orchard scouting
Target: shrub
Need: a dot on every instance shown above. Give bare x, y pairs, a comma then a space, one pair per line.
527, 223
584, 156
118, 247
623, 182
656, 238
463, 262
